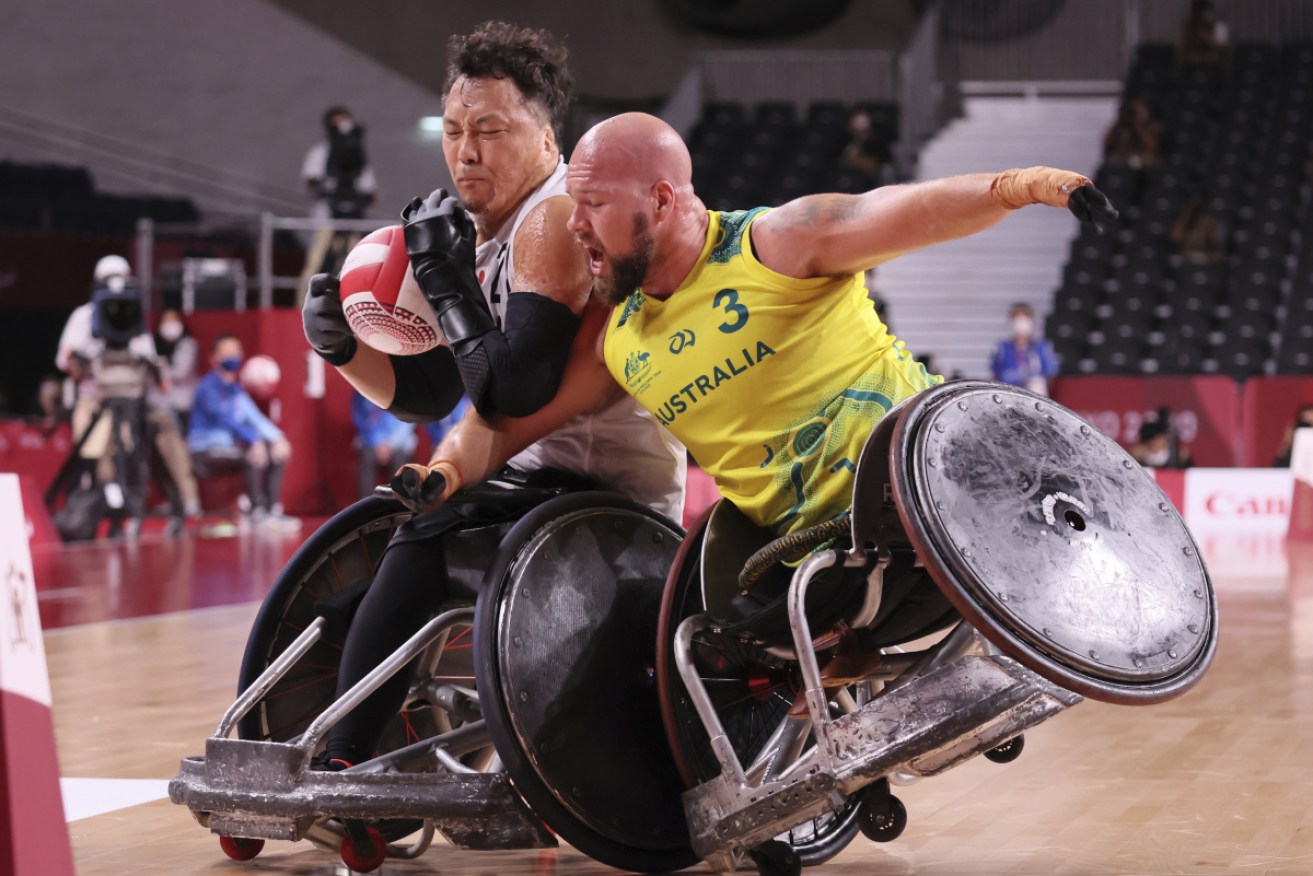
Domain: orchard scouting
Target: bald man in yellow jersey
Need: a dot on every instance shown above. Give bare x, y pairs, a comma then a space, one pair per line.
748, 334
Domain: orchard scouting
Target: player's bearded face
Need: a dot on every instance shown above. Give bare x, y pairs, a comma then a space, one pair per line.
625, 272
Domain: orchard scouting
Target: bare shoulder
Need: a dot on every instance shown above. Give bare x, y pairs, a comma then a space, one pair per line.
547, 259
786, 238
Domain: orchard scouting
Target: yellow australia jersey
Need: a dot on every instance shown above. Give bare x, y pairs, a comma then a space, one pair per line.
773, 383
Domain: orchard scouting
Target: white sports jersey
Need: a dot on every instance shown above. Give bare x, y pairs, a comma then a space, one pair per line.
621, 445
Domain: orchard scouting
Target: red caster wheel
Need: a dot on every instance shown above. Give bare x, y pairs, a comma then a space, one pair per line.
372, 858
240, 848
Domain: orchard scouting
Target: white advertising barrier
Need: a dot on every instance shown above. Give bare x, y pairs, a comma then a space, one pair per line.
1301, 504
1240, 516
33, 837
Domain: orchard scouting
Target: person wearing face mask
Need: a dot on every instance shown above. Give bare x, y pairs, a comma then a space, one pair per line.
1024, 360
1160, 446
227, 428
337, 174
179, 353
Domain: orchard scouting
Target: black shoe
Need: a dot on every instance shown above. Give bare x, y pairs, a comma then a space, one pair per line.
324, 763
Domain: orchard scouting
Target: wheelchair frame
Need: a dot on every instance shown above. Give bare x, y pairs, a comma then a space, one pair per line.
940, 707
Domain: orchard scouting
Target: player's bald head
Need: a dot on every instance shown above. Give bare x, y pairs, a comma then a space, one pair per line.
635, 148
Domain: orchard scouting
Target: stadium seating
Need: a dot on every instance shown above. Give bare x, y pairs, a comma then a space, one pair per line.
767, 155
1237, 136
41, 197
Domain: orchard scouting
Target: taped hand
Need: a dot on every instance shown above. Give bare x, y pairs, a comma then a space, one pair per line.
1088, 204
419, 487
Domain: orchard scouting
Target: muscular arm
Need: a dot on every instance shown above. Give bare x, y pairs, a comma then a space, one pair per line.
829, 235
479, 446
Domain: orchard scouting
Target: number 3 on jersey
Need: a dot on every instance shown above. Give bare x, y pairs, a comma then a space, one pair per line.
729, 300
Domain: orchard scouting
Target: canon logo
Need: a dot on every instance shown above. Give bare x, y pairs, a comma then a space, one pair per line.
1224, 503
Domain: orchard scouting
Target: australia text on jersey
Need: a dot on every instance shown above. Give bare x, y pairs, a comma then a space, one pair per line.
707, 382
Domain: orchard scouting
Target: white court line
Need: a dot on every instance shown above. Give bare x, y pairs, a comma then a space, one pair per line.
84, 798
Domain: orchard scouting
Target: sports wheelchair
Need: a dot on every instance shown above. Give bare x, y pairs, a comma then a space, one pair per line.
1002, 560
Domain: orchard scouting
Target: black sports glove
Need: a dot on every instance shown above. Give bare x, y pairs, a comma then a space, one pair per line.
440, 242
325, 325
419, 487
1088, 204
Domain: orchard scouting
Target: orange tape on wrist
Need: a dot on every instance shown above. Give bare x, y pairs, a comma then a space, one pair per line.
448, 470
1021, 187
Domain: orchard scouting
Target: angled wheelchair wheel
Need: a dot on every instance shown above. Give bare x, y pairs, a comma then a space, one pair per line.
751, 690
565, 635
326, 577
1053, 542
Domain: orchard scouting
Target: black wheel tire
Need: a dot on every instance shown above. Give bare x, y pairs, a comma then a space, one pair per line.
1008, 751
338, 555
882, 818
496, 711
830, 834
776, 858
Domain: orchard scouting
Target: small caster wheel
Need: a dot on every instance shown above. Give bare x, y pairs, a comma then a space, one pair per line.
239, 848
883, 818
1008, 751
775, 858
370, 857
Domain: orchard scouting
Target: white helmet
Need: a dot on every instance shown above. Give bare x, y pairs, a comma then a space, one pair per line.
112, 266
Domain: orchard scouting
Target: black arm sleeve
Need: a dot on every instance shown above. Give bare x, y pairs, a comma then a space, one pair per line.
517, 370
428, 386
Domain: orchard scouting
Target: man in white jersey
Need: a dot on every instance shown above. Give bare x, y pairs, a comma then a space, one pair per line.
508, 324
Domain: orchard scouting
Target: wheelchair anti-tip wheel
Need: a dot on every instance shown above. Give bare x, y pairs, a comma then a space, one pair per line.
565, 635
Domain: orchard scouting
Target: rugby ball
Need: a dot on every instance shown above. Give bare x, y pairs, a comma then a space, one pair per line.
381, 300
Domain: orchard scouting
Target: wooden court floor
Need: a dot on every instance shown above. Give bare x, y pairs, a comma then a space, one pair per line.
1219, 781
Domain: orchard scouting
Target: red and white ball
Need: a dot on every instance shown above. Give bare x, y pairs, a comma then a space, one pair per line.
383, 304
260, 376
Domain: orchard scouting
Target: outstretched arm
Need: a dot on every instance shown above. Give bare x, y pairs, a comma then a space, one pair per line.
478, 446
829, 235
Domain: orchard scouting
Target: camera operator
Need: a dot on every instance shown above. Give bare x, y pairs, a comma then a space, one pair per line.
118, 414
338, 175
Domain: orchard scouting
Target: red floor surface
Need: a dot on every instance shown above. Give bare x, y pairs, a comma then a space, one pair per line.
106, 579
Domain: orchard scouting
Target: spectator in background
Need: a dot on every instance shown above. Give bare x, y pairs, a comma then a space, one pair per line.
49, 411
1204, 36
82, 355
337, 174
864, 152
1198, 233
179, 354
1303, 420
385, 444
228, 428
1135, 139
1024, 360
1160, 446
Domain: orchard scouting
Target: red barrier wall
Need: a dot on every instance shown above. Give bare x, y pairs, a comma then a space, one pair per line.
1269, 405
1205, 410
